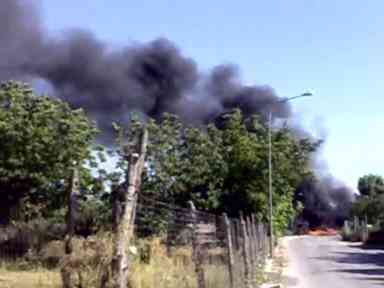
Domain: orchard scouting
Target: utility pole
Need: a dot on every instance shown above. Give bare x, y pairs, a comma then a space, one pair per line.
270, 179
270, 192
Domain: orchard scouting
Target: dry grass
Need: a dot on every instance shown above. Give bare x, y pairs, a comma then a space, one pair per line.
34, 278
173, 272
159, 270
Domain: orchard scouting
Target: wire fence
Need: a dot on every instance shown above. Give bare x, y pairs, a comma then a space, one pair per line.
220, 252
356, 230
172, 244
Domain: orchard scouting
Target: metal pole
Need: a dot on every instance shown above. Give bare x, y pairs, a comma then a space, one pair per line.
270, 183
270, 192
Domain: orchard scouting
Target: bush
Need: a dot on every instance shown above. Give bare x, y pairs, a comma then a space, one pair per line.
351, 236
376, 238
28, 237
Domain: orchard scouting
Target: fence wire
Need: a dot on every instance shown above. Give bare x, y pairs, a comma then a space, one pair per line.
179, 245
218, 251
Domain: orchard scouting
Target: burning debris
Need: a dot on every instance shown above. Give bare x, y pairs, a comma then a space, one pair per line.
323, 231
325, 200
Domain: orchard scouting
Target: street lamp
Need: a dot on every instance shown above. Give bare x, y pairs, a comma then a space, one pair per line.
307, 94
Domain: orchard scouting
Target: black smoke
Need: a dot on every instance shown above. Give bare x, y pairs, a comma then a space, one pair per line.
325, 201
108, 83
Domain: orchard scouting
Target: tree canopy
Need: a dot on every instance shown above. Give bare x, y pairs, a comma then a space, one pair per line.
370, 203
223, 167
371, 185
40, 140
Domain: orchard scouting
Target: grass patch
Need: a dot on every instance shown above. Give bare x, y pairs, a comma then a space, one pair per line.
175, 271
10, 277
152, 267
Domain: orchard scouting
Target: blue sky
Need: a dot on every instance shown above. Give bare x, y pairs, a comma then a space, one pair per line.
333, 48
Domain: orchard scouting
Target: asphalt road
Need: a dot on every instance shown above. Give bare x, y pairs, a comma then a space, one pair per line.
315, 262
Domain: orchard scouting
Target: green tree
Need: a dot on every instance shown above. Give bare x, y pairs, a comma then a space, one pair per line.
246, 184
224, 167
40, 140
371, 185
370, 202
184, 163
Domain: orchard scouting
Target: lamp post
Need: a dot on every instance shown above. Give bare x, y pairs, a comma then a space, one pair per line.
270, 188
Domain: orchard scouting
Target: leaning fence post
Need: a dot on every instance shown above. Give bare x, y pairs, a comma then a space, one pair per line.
247, 264
196, 249
230, 260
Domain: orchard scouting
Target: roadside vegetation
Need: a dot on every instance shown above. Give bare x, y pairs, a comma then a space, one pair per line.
221, 167
158, 270
367, 213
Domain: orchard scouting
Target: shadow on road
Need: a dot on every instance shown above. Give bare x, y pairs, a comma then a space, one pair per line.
360, 257
372, 272
361, 262
366, 262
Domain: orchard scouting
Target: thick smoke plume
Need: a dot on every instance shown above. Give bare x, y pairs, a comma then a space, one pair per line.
326, 201
108, 83
152, 78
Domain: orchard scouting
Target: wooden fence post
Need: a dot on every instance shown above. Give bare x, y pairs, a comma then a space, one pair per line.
196, 249
126, 196
259, 244
250, 247
366, 230
233, 234
246, 257
266, 241
72, 198
262, 241
255, 245
355, 224
230, 260
237, 229
237, 251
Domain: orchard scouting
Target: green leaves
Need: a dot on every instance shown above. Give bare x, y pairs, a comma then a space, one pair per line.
371, 185
224, 167
40, 139
370, 203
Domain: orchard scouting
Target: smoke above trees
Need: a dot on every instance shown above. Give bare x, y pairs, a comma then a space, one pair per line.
151, 78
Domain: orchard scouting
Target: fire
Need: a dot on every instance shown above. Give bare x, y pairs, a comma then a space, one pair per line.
322, 231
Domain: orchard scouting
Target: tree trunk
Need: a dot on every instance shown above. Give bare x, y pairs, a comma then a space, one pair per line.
125, 203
